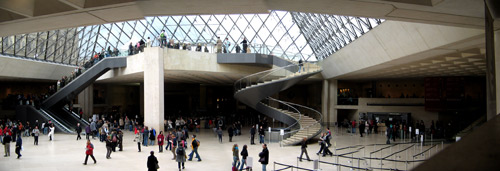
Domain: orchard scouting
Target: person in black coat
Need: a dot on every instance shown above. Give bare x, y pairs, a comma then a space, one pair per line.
252, 135
152, 162
230, 133
78, 131
244, 155
19, 144
264, 156
303, 149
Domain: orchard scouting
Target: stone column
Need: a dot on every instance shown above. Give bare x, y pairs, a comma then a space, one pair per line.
154, 94
497, 69
333, 111
325, 98
86, 101
141, 100
491, 93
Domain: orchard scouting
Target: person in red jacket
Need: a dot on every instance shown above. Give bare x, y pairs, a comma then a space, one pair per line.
89, 152
160, 141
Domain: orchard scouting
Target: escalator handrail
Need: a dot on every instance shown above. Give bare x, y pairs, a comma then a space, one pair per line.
56, 121
77, 116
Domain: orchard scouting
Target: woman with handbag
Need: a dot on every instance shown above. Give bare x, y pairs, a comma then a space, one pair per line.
264, 157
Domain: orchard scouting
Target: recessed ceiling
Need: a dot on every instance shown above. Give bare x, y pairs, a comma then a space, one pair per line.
470, 62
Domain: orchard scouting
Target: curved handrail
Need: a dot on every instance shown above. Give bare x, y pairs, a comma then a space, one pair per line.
301, 127
257, 77
290, 107
318, 119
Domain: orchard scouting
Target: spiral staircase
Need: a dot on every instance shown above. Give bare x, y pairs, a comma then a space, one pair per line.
255, 91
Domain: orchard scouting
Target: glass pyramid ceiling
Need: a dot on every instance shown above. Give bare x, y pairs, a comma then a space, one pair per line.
290, 35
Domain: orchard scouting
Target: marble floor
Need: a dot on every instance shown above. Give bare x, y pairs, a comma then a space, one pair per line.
65, 153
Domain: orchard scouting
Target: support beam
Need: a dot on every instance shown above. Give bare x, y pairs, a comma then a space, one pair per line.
154, 94
325, 98
491, 95
497, 69
22, 7
332, 111
77, 4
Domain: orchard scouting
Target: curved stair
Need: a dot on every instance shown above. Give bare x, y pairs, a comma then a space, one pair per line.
254, 90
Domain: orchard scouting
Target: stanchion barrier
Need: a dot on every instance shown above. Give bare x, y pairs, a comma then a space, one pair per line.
288, 167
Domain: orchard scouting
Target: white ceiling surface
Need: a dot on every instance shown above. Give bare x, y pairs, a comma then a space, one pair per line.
17, 69
408, 50
465, 13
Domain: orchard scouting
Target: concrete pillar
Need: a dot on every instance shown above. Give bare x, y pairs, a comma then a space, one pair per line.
154, 94
491, 93
203, 97
497, 69
324, 102
141, 100
86, 101
333, 112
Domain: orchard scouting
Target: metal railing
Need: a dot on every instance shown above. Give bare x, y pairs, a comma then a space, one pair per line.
316, 115
56, 121
295, 126
274, 74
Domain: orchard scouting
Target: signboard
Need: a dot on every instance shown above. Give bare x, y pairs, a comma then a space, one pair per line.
282, 132
416, 131
269, 129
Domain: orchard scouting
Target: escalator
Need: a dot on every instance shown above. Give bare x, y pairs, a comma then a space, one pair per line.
53, 108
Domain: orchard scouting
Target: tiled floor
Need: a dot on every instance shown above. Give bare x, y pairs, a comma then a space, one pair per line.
65, 153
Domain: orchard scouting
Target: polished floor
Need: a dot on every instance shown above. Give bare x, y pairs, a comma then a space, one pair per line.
65, 153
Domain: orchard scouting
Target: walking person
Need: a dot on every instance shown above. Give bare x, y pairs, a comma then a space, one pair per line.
51, 132
244, 155
78, 131
152, 136
303, 149
261, 135
152, 162
145, 135
252, 135
19, 144
236, 157
245, 44
87, 132
160, 141
181, 155
219, 45
174, 146
264, 157
6, 143
36, 133
138, 140
230, 132
89, 152
169, 141
194, 144
109, 147
219, 133
163, 39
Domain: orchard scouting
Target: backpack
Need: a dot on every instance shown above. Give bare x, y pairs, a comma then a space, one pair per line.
114, 138
180, 151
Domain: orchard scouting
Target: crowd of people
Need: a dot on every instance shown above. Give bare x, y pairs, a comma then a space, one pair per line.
14, 131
